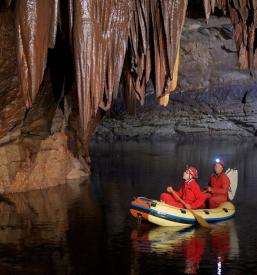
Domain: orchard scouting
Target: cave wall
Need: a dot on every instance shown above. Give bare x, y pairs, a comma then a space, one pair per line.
50, 107
135, 40
28, 158
12, 109
208, 55
217, 113
214, 97
105, 49
103, 35
243, 16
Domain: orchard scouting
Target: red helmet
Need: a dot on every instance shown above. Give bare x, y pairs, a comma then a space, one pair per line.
193, 171
220, 161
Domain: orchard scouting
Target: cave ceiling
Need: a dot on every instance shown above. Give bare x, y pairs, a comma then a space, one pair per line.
112, 39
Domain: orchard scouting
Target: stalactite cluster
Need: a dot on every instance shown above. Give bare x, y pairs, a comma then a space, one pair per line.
36, 23
100, 31
110, 39
100, 34
243, 14
154, 38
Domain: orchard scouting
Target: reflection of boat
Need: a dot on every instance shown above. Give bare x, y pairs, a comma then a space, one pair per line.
163, 214
160, 239
220, 242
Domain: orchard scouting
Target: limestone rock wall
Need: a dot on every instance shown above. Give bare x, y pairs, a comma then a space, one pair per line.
12, 109
208, 55
31, 157
213, 98
52, 165
219, 112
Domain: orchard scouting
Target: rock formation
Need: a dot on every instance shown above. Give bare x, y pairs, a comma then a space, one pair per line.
75, 56
214, 98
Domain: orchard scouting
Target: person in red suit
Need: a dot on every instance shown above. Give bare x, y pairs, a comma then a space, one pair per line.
218, 185
193, 250
190, 191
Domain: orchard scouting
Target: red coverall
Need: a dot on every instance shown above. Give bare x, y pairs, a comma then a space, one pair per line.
190, 192
220, 186
193, 250
220, 244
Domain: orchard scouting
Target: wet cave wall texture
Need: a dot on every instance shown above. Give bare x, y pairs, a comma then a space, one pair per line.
63, 62
100, 35
110, 39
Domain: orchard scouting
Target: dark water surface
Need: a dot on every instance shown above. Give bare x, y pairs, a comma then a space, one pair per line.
87, 229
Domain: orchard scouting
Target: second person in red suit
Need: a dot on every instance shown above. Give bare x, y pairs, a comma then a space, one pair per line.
218, 186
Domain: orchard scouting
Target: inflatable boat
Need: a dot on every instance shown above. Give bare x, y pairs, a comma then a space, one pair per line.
162, 214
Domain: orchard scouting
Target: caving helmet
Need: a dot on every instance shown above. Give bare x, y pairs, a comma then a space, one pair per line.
220, 161
192, 170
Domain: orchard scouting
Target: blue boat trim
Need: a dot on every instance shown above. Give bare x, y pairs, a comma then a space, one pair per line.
145, 199
140, 208
162, 215
213, 220
173, 217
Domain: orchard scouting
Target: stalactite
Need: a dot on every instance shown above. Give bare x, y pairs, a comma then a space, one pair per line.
243, 14
7, 2
100, 31
155, 31
36, 23
244, 18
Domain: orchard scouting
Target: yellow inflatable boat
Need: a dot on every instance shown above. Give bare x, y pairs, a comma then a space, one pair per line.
163, 214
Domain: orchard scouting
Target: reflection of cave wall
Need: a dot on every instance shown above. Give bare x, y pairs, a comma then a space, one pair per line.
50, 231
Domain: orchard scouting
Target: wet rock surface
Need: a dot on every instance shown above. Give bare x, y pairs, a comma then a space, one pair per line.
52, 165
12, 109
208, 55
33, 152
39, 156
218, 112
213, 98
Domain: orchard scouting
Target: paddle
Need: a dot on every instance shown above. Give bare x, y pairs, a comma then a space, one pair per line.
200, 220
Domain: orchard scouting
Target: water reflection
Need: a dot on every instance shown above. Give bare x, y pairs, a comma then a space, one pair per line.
42, 232
193, 244
123, 171
87, 229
